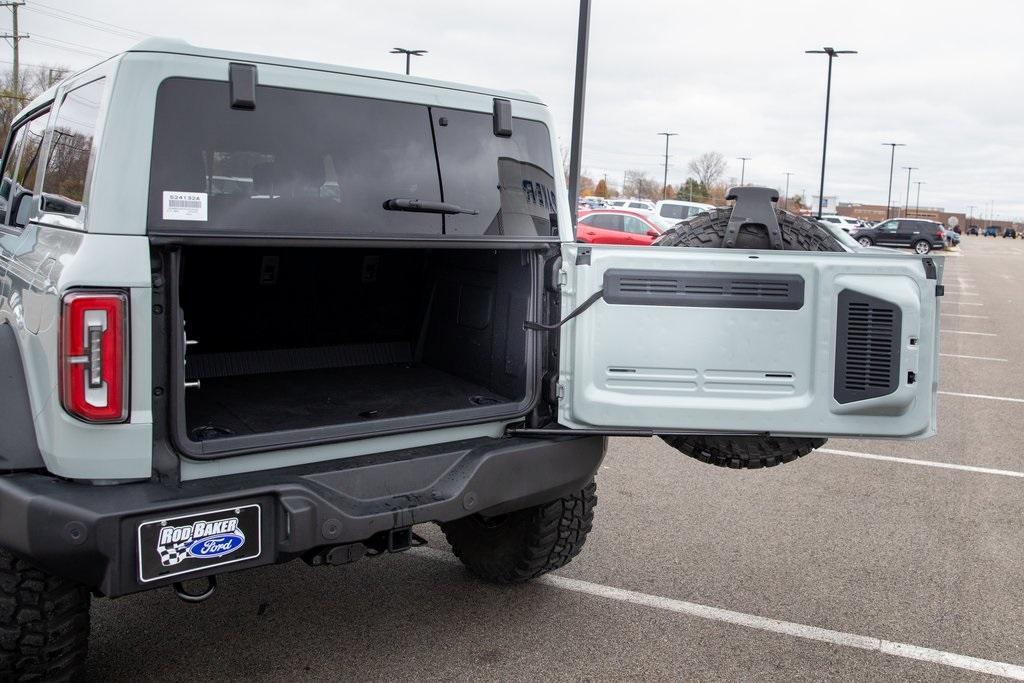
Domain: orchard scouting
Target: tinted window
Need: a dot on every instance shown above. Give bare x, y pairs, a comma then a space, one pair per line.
635, 225
11, 162
28, 166
674, 211
300, 163
508, 180
67, 165
608, 221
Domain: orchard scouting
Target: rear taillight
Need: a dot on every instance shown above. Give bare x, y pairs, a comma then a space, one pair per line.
93, 355
940, 234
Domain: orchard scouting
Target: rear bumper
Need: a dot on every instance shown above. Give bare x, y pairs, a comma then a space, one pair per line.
91, 533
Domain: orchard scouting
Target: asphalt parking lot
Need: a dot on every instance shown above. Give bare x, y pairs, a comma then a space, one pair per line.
909, 565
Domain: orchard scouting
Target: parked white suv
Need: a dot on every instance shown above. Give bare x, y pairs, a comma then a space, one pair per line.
847, 223
668, 212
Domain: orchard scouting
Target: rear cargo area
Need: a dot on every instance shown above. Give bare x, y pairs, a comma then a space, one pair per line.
349, 341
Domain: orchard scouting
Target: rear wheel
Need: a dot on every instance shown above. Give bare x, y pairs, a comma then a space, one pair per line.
922, 246
524, 544
44, 623
708, 230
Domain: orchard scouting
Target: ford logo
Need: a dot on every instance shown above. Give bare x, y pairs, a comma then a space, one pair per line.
217, 546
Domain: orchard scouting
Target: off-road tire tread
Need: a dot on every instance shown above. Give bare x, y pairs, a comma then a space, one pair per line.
707, 230
527, 543
744, 452
44, 623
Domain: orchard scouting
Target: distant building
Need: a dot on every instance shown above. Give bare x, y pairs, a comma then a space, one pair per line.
877, 212
827, 206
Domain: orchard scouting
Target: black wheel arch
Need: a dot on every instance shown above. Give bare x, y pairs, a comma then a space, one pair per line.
19, 448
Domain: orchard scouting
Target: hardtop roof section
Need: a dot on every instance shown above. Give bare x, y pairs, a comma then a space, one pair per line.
180, 47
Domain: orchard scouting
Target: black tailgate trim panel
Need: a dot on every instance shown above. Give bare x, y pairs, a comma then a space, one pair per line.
703, 289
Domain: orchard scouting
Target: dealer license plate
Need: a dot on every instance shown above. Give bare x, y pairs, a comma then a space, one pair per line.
188, 543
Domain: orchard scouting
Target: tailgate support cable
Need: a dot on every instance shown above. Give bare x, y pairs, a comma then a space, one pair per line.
541, 327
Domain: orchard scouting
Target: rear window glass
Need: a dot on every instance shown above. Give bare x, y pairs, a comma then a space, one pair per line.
677, 211
67, 165
509, 181
317, 164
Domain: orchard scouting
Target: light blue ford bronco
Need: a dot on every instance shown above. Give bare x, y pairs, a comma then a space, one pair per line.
254, 309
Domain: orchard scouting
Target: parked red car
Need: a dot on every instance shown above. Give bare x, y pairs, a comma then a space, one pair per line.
613, 226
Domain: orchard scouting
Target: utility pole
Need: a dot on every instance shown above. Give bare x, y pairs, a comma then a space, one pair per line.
664, 182
743, 168
832, 54
906, 204
892, 160
917, 207
15, 38
408, 54
785, 197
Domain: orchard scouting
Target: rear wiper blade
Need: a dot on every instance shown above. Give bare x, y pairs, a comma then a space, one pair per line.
425, 206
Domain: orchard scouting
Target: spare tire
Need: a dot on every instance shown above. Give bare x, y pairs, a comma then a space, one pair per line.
708, 230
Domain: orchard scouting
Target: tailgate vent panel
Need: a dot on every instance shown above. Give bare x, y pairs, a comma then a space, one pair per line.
707, 290
868, 332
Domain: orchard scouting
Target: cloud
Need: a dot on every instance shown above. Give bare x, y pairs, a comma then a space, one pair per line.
942, 77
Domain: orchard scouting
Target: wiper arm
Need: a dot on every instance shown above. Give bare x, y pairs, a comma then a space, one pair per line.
424, 206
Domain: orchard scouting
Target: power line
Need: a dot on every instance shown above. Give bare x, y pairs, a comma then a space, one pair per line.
68, 42
94, 55
95, 26
97, 21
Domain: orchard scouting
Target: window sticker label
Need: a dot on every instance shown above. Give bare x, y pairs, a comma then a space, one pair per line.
184, 206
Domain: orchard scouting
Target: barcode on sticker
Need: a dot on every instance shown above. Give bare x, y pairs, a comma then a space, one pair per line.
184, 206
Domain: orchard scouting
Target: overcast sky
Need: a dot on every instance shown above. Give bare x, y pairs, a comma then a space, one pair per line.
945, 78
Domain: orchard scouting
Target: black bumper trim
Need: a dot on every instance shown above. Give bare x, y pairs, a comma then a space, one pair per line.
89, 533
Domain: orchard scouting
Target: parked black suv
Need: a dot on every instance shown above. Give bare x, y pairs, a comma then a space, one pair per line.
921, 235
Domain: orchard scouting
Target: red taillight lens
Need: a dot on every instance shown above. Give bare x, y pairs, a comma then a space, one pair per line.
93, 356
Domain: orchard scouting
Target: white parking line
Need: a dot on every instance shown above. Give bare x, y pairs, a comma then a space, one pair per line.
924, 463
824, 635
958, 355
964, 315
979, 334
963, 303
984, 396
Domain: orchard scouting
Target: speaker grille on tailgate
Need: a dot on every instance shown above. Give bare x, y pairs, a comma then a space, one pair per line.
867, 347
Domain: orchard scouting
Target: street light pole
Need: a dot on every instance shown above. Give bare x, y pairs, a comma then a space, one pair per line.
832, 53
906, 205
892, 160
664, 183
917, 207
578, 100
408, 54
743, 168
785, 197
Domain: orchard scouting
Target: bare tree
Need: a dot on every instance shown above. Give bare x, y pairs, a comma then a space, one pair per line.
640, 185
33, 81
709, 168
